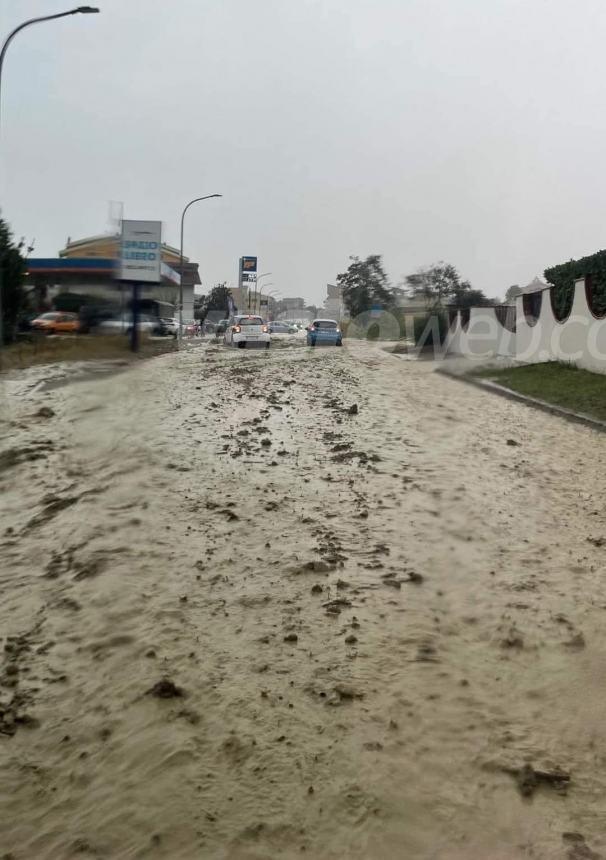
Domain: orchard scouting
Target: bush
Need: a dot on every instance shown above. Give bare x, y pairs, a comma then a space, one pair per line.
563, 277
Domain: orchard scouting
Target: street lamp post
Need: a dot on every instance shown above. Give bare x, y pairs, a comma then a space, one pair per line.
264, 275
272, 294
191, 202
260, 295
85, 10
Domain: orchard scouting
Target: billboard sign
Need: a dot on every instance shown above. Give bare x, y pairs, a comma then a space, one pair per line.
248, 264
247, 273
141, 252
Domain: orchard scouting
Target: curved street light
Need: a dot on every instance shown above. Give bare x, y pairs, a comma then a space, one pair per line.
258, 278
259, 295
84, 10
191, 202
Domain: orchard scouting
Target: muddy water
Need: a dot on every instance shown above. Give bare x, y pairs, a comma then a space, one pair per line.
242, 620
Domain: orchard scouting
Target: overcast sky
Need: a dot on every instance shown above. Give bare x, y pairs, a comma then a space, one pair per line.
471, 131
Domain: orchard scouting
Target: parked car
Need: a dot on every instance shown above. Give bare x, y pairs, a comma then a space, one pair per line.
281, 328
92, 315
246, 329
190, 328
56, 322
324, 332
123, 324
171, 325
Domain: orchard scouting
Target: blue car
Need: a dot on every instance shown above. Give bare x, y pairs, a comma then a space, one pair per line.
322, 332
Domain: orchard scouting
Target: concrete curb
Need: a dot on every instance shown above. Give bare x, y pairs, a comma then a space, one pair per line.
534, 402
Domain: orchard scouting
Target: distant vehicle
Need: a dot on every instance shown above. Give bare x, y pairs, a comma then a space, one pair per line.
190, 328
281, 328
123, 325
246, 329
324, 332
92, 315
170, 324
56, 322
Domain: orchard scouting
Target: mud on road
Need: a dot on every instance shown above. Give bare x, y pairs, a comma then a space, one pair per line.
323, 604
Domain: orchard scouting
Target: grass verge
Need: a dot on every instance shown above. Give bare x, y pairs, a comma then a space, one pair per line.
558, 384
50, 350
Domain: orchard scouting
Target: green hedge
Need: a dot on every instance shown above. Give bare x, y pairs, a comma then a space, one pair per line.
563, 277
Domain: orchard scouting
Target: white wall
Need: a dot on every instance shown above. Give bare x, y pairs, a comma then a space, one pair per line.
580, 339
483, 337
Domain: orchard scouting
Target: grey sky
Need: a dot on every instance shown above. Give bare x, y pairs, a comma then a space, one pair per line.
466, 130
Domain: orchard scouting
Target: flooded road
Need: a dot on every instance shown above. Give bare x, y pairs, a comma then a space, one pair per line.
326, 604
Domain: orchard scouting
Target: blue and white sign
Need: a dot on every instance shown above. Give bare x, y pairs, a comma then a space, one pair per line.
141, 251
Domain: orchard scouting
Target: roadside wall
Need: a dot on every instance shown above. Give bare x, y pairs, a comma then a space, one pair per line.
481, 333
580, 338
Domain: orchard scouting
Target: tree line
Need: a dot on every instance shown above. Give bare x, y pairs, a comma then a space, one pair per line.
366, 286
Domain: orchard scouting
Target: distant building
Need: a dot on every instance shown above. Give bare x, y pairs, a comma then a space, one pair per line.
86, 267
333, 303
534, 286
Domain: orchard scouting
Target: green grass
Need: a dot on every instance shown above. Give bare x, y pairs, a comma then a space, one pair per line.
557, 383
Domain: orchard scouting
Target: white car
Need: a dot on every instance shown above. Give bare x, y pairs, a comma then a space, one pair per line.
171, 324
123, 324
281, 331
246, 329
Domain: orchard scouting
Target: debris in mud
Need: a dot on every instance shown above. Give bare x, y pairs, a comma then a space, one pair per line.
415, 577
319, 566
577, 642
598, 542
52, 506
345, 693
45, 412
514, 639
12, 716
192, 717
90, 568
291, 637
390, 580
166, 689
579, 850
353, 409
16, 456
334, 607
316, 589
512, 443
351, 639
528, 780
427, 653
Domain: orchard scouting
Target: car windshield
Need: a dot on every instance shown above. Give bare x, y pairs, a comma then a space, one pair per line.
49, 316
325, 324
243, 321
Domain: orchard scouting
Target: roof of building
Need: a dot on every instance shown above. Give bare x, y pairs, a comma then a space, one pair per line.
104, 237
535, 285
90, 266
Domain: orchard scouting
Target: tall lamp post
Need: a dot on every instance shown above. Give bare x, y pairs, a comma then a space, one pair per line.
85, 10
264, 275
260, 295
191, 202
272, 294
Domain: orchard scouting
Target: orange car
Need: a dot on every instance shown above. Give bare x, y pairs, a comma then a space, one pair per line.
55, 322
